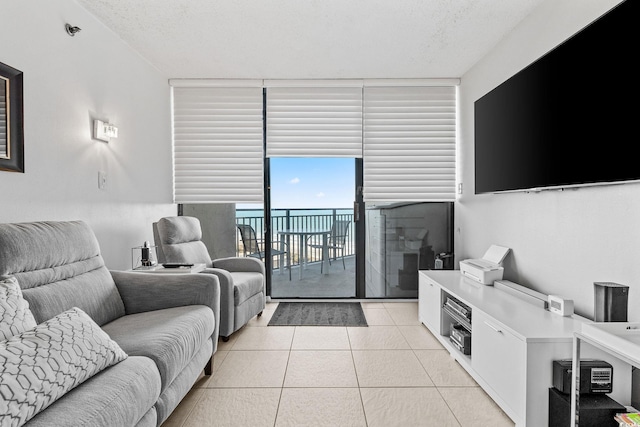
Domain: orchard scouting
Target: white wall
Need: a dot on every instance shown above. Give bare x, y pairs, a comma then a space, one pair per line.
562, 242
69, 81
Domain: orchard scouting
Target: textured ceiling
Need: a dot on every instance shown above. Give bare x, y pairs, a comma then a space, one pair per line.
300, 39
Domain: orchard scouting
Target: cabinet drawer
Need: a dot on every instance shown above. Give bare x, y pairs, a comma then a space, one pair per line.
499, 357
429, 303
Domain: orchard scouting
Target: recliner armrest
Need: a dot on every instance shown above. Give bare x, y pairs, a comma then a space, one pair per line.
226, 298
143, 292
240, 264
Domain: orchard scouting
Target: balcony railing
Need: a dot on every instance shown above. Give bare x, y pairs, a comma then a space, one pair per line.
297, 219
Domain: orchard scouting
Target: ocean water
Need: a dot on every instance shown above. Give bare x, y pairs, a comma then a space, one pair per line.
304, 219
244, 213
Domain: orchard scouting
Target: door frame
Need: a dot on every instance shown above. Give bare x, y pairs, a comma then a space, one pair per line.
359, 221
360, 230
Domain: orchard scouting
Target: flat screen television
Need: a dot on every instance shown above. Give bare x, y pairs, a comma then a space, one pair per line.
569, 119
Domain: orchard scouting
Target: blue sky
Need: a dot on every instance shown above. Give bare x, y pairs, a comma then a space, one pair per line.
312, 183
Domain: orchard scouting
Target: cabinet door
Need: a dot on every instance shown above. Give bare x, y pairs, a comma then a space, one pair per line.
499, 357
429, 304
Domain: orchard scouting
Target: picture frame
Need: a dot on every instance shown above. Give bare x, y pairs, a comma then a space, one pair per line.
11, 119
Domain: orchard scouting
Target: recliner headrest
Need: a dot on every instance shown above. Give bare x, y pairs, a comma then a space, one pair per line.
179, 229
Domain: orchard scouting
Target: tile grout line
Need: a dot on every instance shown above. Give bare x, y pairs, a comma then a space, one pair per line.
448, 406
284, 377
355, 369
193, 407
437, 388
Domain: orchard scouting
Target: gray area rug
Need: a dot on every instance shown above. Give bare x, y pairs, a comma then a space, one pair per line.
318, 314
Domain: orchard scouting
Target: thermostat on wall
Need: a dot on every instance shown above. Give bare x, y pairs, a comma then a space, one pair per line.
559, 305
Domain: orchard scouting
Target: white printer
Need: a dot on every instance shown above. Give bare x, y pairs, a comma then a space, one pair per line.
487, 269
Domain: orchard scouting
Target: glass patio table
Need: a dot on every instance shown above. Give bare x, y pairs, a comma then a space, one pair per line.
302, 247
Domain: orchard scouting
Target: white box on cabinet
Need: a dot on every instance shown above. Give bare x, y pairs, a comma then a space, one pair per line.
487, 269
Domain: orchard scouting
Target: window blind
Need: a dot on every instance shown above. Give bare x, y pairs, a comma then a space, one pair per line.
218, 145
409, 144
314, 122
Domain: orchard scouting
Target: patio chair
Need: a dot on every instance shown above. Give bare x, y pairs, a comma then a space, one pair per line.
337, 241
254, 247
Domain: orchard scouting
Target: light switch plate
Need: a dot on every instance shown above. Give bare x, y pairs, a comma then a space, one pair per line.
102, 180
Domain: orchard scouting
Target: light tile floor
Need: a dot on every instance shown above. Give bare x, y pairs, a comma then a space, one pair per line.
392, 373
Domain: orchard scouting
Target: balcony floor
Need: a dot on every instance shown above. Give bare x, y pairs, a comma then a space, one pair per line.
339, 283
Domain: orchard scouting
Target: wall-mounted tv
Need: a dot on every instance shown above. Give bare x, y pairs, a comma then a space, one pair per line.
569, 119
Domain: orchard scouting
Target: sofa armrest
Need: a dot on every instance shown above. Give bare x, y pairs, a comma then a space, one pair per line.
143, 292
240, 264
226, 299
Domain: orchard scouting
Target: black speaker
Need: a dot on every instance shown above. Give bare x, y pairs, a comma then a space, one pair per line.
611, 302
596, 410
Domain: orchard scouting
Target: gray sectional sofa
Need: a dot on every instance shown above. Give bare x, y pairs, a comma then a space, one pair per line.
166, 324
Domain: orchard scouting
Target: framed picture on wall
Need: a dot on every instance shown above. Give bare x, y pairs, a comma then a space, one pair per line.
11, 120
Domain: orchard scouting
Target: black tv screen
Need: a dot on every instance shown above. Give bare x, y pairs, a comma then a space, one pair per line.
571, 118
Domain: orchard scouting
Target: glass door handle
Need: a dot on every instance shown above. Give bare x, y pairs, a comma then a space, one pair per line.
357, 203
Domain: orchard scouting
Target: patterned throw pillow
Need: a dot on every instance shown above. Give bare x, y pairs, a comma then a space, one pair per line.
40, 365
15, 316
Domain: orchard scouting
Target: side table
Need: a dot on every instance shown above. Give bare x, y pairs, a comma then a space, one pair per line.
160, 269
621, 340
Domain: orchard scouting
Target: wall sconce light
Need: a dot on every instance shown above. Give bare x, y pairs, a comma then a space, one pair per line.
104, 131
71, 30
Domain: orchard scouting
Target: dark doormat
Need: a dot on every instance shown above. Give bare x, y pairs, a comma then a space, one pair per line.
318, 314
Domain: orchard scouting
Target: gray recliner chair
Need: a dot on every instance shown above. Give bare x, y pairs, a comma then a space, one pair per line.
242, 280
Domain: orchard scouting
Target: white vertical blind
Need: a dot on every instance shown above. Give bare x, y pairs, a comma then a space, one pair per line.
218, 145
409, 144
314, 122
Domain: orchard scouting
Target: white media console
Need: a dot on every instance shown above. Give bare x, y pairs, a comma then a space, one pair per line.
513, 343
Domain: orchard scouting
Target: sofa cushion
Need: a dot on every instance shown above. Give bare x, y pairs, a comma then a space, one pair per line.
118, 396
170, 337
40, 365
246, 285
15, 316
58, 266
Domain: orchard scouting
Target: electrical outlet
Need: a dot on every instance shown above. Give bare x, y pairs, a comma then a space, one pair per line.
102, 180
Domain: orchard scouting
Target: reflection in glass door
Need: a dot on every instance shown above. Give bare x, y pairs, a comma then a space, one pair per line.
312, 223
403, 238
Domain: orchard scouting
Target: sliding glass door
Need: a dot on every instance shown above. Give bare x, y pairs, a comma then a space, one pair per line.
313, 226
